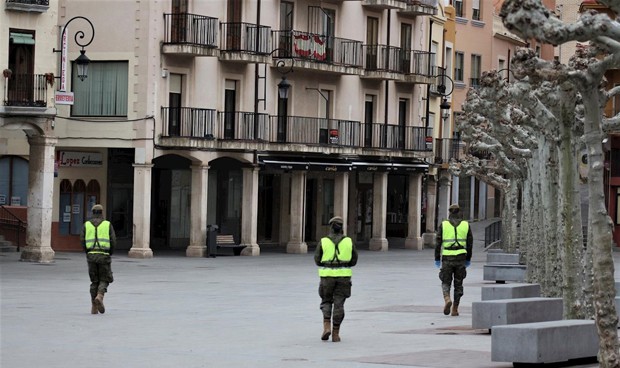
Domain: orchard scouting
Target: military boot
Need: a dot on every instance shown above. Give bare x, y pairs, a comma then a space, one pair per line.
447, 305
327, 329
336, 334
99, 303
455, 309
93, 307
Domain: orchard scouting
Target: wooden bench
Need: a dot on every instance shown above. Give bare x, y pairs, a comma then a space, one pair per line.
228, 241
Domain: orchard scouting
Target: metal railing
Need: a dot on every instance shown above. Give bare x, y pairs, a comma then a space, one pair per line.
26, 90
421, 63
446, 149
30, 2
492, 233
11, 221
245, 37
383, 58
317, 48
193, 29
187, 122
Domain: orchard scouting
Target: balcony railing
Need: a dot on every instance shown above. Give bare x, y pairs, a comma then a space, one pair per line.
383, 58
437, 83
189, 122
192, 29
37, 6
26, 90
446, 149
420, 63
318, 48
245, 38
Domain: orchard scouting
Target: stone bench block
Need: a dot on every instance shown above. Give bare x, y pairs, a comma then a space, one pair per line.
503, 258
510, 291
504, 272
544, 342
491, 313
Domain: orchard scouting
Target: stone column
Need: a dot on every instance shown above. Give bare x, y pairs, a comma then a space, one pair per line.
429, 237
414, 240
249, 213
443, 196
285, 218
141, 212
296, 243
379, 212
482, 202
341, 197
198, 233
40, 196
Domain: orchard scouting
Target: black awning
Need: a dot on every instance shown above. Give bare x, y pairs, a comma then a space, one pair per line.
317, 164
284, 165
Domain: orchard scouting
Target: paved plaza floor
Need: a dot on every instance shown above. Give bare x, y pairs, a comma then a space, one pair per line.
174, 311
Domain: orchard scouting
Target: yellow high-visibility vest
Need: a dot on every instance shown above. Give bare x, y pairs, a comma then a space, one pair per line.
97, 239
335, 261
454, 239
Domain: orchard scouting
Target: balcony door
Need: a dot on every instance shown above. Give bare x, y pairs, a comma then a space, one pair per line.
21, 62
175, 99
179, 21
282, 119
322, 22
285, 38
230, 106
372, 40
405, 46
369, 115
233, 31
403, 107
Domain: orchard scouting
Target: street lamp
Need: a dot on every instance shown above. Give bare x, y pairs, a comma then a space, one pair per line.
82, 61
283, 88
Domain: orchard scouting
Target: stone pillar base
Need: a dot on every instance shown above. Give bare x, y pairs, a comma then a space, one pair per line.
429, 240
196, 251
414, 243
140, 253
251, 250
297, 248
378, 244
36, 254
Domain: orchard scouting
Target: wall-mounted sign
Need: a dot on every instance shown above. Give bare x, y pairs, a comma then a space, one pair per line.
80, 159
2, 199
16, 201
64, 98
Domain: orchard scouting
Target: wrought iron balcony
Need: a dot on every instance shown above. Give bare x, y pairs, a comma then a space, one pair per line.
383, 62
245, 42
186, 122
418, 67
190, 34
29, 90
36, 6
419, 7
447, 149
319, 52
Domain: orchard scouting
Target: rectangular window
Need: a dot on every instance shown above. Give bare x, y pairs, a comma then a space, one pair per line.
475, 70
459, 60
475, 8
104, 92
458, 7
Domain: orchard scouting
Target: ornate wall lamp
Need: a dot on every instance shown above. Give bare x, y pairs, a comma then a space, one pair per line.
82, 61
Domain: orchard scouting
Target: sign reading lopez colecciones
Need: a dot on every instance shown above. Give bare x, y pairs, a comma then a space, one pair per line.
79, 159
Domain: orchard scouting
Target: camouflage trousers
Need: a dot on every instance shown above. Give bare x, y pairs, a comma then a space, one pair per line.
100, 273
452, 269
333, 292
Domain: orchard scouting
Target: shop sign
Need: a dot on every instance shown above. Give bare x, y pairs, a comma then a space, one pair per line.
80, 159
2, 199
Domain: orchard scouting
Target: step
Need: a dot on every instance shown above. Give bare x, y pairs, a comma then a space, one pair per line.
510, 291
545, 342
488, 314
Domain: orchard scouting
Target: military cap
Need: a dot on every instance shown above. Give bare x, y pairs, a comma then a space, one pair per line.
455, 206
336, 219
97, 208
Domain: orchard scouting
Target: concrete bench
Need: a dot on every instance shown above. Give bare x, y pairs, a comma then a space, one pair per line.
510, 291
504, 272
545, 342
503, 258
228, 241
491, 313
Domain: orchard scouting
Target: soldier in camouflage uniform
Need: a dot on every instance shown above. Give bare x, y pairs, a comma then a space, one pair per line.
98, 240
454, 248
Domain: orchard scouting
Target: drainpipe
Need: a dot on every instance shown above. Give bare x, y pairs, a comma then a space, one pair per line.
387, 82
256, 66
428, 86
